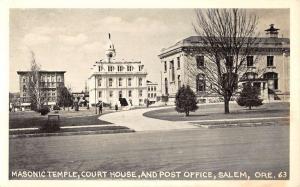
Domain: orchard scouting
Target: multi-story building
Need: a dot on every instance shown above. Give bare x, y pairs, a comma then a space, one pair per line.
112, 79
269, 71
49, 82
152, 89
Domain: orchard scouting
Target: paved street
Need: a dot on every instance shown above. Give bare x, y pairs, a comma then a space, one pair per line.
238, 149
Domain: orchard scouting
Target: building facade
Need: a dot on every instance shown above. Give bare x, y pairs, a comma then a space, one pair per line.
152, 89
112, 79
49, 81
268, 68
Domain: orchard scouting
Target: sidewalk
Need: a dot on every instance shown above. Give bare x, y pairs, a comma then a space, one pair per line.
135, 120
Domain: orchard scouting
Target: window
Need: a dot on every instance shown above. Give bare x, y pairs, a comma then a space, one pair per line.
154, 94
270, 61
172, 71
272, 80
24, 94
151, 88
100, 68
140, 93
99, 82
110, 68
100, 94
179, 81
229, 61
129, 68
140, 82
249, 61
53, 94
141, 67
166, 87
120, 68
58, 79
52, 78
110, 82
154, 88
120, 81
111, 93
148, 88
165, 65
120, 94
129, 81
24, 79
24, 88
249, 75
200, 83
129, 93
200, 61
178, 62
149, 95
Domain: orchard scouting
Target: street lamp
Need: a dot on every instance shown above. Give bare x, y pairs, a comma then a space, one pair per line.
95, 96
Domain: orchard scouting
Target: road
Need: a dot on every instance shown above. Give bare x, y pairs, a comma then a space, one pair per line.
228, 149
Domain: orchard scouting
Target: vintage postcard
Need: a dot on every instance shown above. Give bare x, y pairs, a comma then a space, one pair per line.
168, 95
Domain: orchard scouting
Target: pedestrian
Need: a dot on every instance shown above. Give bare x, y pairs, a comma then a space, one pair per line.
100, 107
116, 107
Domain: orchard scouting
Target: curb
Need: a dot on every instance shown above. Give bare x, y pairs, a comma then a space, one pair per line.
73, 133
248, 124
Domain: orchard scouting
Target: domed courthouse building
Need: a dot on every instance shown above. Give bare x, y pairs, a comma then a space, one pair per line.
112, 79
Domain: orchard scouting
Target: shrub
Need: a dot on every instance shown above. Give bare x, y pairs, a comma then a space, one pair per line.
249, 96
186, 100
44, 110
55, 107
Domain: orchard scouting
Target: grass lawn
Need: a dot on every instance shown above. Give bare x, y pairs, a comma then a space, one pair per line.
216, 111
67, 118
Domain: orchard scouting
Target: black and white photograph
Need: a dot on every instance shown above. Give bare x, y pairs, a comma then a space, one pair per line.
150, 94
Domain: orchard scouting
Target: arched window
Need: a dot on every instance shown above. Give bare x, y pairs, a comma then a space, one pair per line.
249, 76
272, 79
179, 81
120, 81
166, 86
200, 82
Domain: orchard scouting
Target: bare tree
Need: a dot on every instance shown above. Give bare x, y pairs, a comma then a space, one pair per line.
226, 38
38, 95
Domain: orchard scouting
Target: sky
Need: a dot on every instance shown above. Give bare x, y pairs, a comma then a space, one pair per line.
73, 39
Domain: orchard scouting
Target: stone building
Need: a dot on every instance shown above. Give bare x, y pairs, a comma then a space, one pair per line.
112, 79
268, 68
152, 89
49, 82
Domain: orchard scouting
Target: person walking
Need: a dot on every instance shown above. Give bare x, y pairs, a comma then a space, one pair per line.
100, 108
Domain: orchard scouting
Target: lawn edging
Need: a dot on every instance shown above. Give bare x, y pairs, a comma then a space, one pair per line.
72, 133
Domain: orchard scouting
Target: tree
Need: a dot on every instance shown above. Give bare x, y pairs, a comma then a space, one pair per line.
65, 98
185, 100
249, 96
38, 95
227, 37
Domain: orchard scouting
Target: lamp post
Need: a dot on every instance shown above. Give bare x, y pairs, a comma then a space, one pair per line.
95, 96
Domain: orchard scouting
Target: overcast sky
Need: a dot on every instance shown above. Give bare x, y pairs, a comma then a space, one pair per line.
73, 39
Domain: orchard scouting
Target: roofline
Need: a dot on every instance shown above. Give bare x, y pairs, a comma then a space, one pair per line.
181, 44
42, 71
